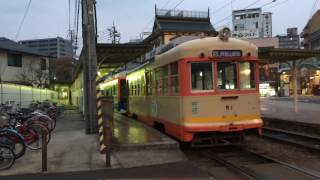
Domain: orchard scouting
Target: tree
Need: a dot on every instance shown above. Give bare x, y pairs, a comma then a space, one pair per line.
34, 75
61, 70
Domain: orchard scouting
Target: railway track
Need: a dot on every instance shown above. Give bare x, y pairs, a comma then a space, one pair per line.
300, 139
250, 165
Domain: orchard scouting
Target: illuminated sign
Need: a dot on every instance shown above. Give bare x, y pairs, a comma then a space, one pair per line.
226, 53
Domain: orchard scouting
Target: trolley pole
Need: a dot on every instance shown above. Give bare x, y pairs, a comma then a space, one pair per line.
89, 60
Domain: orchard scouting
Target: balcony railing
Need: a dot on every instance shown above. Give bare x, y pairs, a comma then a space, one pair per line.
182, 13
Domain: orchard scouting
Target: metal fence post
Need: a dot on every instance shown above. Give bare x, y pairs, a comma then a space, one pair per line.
20, 95
44, 151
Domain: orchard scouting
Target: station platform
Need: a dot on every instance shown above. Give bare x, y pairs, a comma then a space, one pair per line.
136, 144
130, 134
139, 151
283, 109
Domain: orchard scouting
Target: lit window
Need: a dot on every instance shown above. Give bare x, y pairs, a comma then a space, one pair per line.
247, 75
201, 76
174, 78
227, 75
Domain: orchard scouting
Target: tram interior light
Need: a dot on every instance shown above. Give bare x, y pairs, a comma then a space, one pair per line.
247, 72
200, 74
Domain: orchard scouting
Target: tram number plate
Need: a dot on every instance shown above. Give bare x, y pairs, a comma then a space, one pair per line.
226, 53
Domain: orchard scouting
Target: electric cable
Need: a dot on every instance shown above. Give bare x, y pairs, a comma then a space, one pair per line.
23, 19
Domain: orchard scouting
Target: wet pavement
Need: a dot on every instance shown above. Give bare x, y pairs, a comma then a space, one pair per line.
72, 153
136, 144
132, 134
284, 110
180, 170
301, 98
70, 149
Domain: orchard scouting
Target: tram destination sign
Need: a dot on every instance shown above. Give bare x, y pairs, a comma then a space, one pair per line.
226, 53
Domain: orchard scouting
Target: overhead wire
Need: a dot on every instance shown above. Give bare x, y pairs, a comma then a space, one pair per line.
77, 12
69, 15
23, 19
151, 20
178, 4
222, 7
278, 4
315, 3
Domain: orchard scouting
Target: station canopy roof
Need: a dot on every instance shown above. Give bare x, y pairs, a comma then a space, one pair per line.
282, 55
115, 55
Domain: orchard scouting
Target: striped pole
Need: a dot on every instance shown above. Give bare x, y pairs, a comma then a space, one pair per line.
100, 118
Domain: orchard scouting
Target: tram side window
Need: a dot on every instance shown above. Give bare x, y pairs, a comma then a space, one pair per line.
159, 82
174, 78
247, 75
143, 87
201, 76
227, 75
149, 83
165, 79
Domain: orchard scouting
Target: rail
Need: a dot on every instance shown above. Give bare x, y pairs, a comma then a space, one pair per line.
238, 158
300, 139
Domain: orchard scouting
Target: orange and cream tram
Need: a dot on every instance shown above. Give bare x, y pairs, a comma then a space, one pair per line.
201, 91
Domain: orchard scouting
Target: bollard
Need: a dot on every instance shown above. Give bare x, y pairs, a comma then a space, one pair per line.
44, 151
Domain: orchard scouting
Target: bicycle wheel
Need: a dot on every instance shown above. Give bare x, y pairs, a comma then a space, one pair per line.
7, 157
13, 140
33, 136
43, 120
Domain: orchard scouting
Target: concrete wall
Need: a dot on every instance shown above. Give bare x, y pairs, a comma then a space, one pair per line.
10, 74
24, 95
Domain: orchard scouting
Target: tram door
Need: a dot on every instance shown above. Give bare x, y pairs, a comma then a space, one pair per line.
123, 99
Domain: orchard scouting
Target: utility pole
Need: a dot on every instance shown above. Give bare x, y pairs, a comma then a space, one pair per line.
114, 35
89, 65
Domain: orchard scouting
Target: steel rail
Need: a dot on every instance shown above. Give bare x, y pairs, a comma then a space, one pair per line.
293, 137
248, 173
304, 171
244, 172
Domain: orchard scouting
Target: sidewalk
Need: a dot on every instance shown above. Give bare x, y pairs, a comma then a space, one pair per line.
139, 151
70, 149
181, 170
301, 98
284, 110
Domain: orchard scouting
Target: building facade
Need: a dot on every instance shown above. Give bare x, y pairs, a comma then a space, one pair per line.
55, 47
251, 23
310, 72
311, 32
170, 24
269, 77
22, 65
289, 40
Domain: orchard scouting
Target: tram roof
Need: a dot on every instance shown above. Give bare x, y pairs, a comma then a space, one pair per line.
205, 45
279, 55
